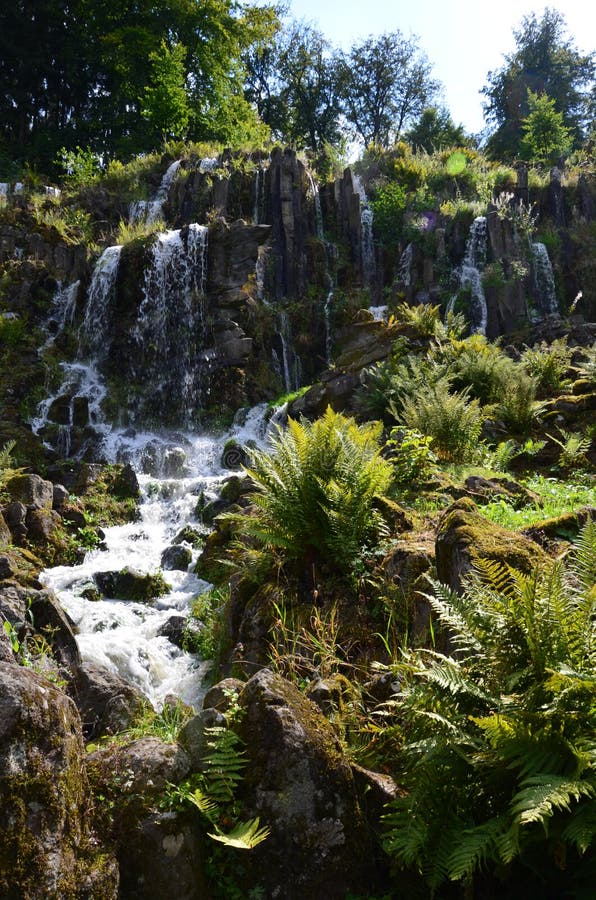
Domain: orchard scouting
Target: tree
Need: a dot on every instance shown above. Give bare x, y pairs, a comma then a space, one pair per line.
545, 136
385, 82
294, 86
546, 62
165, 103
92, 73
434, 130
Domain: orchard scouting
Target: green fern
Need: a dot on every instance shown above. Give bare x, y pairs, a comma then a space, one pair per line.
315, 491
500, 762
245, 835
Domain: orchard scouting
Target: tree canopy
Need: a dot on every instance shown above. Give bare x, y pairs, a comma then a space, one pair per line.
546, 62
84, 72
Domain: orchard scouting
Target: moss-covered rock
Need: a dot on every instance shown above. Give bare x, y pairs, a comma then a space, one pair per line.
300, 783
129, 584
45, 845
464, 535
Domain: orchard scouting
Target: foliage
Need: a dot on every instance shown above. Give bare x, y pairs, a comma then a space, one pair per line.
517, 407
80, 165
165, 103
545, 138
411, 455
388, 208
213, 791
435, 130
140, 228
424, 319
548, 363
102, 72
385, 83
315, 490
7, 468
574, 446
546, 62
452, 420
556, 498
208, 610
499, 760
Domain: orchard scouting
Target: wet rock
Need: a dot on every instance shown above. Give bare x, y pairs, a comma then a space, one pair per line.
106, 702
42, 525
60, 497
127, 483
174, 629
46, 849
193, 736
464, 535
130, 584
7, 567
31, 490
5, 535
177, 556
174, 463
163, 858
220, 695
190, 535
234, 456
15, 515
301, 785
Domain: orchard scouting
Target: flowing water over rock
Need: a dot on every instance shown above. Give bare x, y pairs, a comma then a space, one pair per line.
366, 234
470, 276
544, 281
150, 211
127, 636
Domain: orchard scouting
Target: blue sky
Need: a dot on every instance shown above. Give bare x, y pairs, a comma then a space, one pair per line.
463, 40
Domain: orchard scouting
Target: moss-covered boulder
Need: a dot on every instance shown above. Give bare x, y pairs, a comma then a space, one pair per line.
46, 849
130, 584
464, 535
299, 782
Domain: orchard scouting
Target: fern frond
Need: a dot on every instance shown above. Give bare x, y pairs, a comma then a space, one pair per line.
204, 804
541, 795
474, 846
581, 830
245, 835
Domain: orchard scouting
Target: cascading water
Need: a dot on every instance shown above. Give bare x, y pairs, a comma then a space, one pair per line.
62, 313
404, 271
258, 215
150, 211
470, 277
289, 359
544, 281
366, 234
128, 637
99, 299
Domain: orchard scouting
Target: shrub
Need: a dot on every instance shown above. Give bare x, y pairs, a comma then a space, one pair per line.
481, 367
315, 491
499, 764
452, 420
517, 407
548, 364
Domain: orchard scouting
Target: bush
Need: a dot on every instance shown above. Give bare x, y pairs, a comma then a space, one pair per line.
548, 364
315, 491
452, 420
517, 407
499, 767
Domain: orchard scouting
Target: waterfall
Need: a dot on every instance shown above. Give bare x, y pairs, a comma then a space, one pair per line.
99, 298
291, 362
62, 313
128, 637
169, 320
404, 271
259, 201
470, 277
366, 234
150, 211
544, 281
314, 192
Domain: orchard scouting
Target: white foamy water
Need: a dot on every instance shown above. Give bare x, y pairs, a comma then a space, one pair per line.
124, 636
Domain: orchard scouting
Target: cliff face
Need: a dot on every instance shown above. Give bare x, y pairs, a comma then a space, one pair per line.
186, 326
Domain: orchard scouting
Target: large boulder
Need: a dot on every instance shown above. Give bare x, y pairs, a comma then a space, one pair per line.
31, 490
300, 784
46, 849
106, 702
130, 584
464, 535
